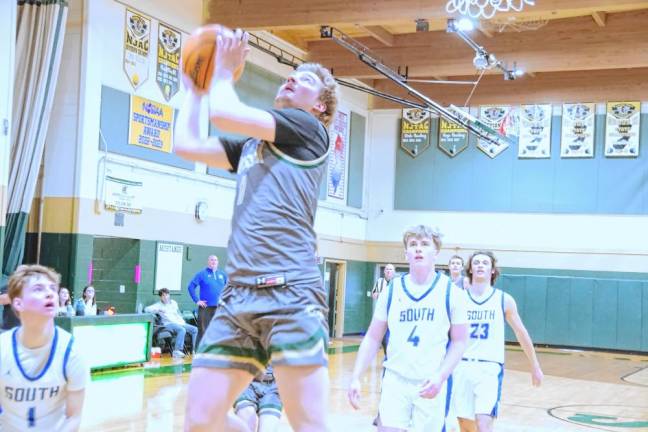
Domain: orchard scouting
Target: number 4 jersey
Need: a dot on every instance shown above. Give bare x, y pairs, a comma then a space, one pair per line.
418, 320
486, 327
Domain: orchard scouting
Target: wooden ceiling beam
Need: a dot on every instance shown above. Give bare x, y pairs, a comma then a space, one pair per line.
380, 33
572, 44
255, 14
599, 18
555, 88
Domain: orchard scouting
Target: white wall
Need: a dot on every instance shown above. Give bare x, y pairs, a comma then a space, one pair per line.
93, 56
559, 241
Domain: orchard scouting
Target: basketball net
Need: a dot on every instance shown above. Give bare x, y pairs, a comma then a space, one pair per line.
485, 9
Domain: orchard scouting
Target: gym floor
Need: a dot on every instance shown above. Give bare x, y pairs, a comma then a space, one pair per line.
582, 391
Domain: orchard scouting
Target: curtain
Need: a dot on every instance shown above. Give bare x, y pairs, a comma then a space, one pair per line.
40, 32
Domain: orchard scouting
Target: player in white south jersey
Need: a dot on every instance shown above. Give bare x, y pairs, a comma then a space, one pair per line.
478, 377
42, 377
425, 315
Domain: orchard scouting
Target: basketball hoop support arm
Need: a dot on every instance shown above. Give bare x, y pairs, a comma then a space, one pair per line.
452, 114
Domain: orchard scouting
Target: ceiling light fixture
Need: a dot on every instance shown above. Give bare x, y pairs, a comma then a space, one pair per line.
485, 9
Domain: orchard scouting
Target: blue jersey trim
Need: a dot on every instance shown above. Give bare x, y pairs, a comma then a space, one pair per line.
390, 292
480, 360
500, 378
481, 303
503, 310
14, 343
447, 305
447, 402
66, 357
429, 290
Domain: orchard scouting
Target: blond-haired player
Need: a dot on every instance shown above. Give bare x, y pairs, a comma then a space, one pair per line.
478, 378
426, 317
42, 376
274, 306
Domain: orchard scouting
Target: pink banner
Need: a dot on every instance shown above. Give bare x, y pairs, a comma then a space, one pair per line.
90, 272
138, 274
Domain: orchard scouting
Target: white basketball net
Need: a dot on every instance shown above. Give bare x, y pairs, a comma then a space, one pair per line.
485, 9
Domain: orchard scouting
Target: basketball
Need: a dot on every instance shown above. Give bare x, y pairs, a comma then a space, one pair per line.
198, 55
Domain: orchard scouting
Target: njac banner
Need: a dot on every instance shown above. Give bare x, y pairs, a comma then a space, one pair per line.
167, 73
453, 138
535, 131
336, 178
137, 35
415, 131
577, 139
622, 129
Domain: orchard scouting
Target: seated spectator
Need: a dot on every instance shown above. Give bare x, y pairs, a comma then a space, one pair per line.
65, 303
87, 305
259, 405
172, 320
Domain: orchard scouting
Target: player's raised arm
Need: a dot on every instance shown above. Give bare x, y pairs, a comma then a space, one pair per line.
226, 110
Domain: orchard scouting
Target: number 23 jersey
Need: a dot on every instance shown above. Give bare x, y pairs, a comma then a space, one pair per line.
418, 321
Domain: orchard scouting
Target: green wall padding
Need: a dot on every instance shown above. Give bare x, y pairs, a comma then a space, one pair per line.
358, 307
598, 185
581, 312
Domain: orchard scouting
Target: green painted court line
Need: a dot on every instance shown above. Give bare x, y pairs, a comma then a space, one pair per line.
541, 352
151, 372
343, 349
147, 372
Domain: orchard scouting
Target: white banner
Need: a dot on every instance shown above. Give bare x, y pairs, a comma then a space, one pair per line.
503, 119
168, 266
535, 131
123, 195
622, 129
577, 136
137, 44
336, 178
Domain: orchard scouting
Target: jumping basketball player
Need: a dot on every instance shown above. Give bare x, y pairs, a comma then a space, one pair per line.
478, 377
274, 306
426, 317
42, 376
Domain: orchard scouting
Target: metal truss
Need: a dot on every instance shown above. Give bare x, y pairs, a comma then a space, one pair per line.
452, 114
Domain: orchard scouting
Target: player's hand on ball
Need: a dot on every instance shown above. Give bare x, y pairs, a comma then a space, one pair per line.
354, 393
231, 50
431, 387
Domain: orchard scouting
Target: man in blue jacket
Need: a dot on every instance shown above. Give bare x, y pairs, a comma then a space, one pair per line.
210, 282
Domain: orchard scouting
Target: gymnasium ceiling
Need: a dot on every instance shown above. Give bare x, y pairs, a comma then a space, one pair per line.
578, 38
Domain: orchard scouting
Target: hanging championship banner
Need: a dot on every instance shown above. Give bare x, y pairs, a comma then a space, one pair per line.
123, 195
415, 131
453, 138
503, 119
137, 34
622, 129
167, 73
150, 124
577, 136
337, 163
535, 131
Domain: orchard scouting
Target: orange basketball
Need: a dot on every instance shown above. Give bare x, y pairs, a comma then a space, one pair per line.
198, 56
